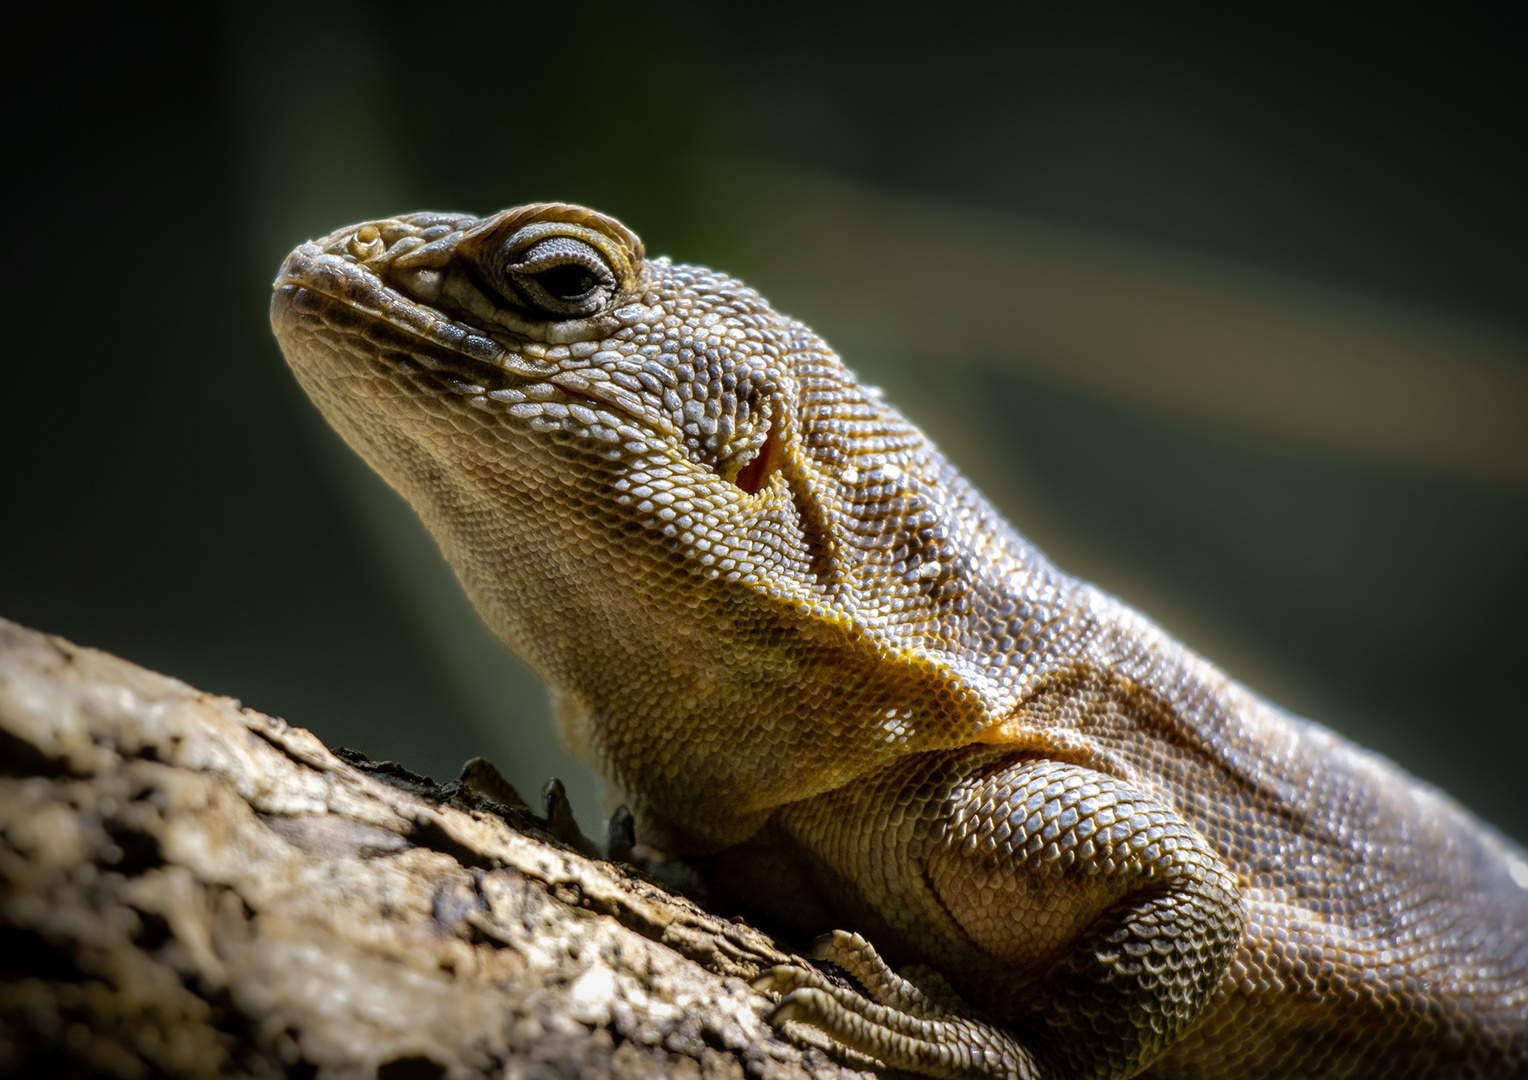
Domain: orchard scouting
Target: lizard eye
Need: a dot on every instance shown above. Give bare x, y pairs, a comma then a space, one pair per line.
560, 276
569, 282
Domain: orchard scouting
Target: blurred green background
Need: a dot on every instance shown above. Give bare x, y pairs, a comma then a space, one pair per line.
1227, 309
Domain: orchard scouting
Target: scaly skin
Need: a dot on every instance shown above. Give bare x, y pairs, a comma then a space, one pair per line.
784, 626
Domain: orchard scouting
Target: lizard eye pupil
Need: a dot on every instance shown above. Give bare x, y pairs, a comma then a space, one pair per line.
567, 282
562, 277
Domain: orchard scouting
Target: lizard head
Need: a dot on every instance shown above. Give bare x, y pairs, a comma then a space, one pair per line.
677, 505
551, 308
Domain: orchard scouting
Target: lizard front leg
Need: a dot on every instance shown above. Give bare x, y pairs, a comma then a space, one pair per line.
1091, 921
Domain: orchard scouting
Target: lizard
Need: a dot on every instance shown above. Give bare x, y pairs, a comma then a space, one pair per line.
787, 630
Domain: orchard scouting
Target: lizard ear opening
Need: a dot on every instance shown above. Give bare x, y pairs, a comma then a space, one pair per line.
751, 477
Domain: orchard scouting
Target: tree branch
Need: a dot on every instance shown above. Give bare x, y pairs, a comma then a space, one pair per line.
192, 888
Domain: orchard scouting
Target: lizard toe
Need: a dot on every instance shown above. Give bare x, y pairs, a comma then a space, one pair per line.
950, 1048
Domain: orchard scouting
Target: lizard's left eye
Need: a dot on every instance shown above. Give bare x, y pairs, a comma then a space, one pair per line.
561, 276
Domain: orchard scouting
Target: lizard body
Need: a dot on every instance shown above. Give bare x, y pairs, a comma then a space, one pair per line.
780, 622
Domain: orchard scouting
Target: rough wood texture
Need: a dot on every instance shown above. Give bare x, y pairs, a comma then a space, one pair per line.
192, 888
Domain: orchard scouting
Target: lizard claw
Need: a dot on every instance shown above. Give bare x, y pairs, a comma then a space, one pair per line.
899, 1023
560, 821
620, 835
797, 1005
784, 979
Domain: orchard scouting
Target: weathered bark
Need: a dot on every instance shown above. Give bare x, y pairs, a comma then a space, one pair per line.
192, 888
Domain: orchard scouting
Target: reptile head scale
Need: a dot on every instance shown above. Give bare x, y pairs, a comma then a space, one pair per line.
782, 624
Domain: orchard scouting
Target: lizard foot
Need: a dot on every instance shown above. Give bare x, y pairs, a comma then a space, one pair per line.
903, 1024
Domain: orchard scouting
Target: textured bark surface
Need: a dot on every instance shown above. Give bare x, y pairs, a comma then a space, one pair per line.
192, 888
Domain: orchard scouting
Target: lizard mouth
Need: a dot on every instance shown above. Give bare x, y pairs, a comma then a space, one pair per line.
471, 370
318, 295
367, 297
330, 294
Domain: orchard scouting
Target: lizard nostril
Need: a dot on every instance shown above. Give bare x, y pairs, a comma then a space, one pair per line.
751, 477
366, 243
